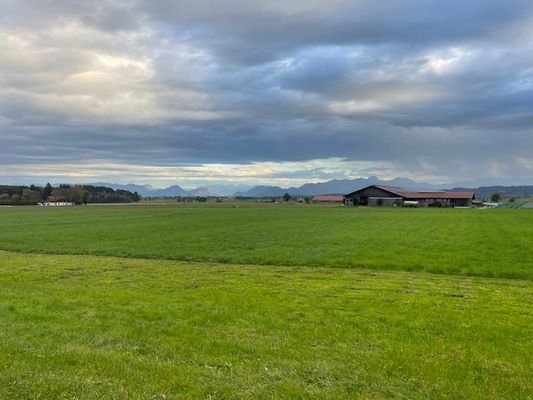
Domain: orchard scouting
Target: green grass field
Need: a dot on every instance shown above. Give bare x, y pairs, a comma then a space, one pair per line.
92, 327
521, 202
495, 243
265, 301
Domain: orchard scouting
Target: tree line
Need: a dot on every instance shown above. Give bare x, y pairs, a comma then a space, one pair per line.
78, 194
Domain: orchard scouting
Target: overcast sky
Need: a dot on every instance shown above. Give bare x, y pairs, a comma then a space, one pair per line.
272, 92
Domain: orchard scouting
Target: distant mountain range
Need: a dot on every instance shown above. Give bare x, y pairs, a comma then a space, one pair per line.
336, 186
175, 190
147, 190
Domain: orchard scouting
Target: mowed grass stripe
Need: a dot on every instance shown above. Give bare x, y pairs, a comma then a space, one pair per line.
97, 327
491, 243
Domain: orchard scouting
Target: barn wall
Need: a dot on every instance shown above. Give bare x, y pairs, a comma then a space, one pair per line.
461, 202
385, 201
362, 196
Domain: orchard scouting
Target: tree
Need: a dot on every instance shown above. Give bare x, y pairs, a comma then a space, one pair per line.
75, 194
30, 196
286, 197
47, 191
495, 197
56, 192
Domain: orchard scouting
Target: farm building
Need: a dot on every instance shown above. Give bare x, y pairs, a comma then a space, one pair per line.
376, 195
328, 199
53, 201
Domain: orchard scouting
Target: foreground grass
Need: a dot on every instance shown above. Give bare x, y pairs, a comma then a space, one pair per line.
95, 327
492, 243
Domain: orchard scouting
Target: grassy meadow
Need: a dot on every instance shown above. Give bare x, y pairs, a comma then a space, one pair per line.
493, 243
99, 327
266, 301
523, 202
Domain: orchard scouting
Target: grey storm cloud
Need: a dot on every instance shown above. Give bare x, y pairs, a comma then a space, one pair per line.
432, 89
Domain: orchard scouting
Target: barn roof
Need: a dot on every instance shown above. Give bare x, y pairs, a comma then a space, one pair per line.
440, 195
329, 197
